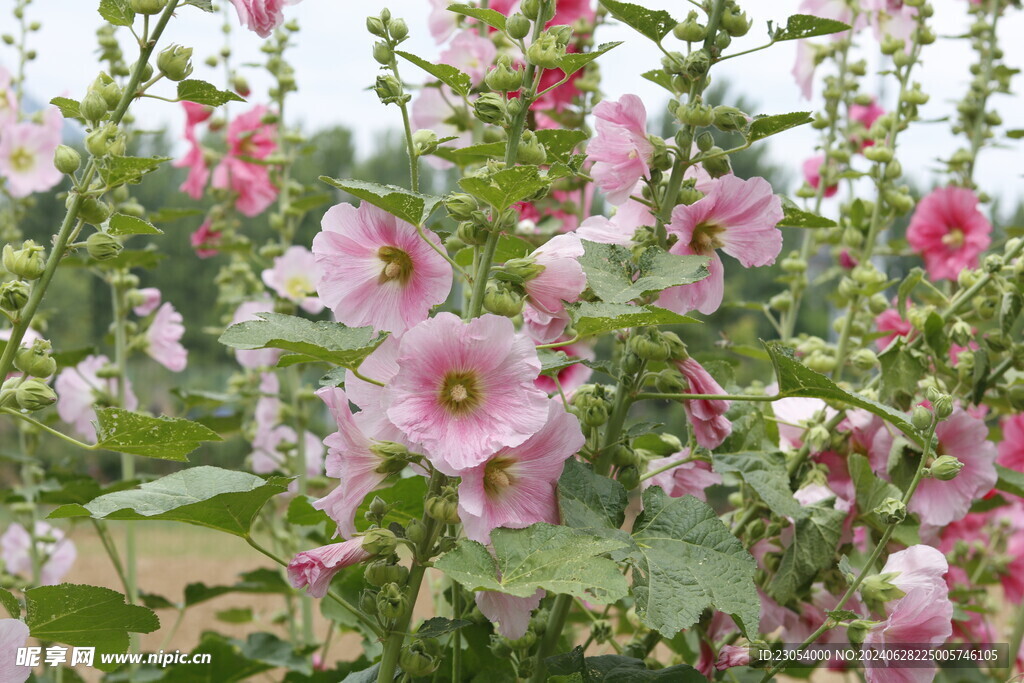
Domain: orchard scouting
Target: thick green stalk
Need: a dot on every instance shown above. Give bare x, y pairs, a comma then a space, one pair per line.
552, 633
977, 133
119, 296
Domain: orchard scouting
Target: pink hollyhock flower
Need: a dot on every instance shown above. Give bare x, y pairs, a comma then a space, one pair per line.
149, 299
251, 182
8, 102
194, 115
686, 479
350, 458
562, 278
710, 427
163, 339
803, 68
796, 410
620, 151
892, 18
254, 358
377, 270
732, 655
205, 239
812, 174
79, 388
738, 216
846, 260
465, 390
314, 569
441, 22
561, 208
621, 227
261, 16
431, 111
838, 10
572, 377
543, 327
26, 154
195, 159
267, 456
949, 232
919, 566
381, 365
510, 613
294, 277
56, 556
1011, 448
891, 321
13, 637
866, 115
515, 487
470, 53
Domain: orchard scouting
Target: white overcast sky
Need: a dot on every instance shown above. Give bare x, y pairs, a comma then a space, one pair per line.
334, 67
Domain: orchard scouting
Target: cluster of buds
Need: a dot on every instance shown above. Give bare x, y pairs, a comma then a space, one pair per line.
30, 391
392, 32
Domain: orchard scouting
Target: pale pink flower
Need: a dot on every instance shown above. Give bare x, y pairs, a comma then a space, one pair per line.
78, 389
922, 616
377, 270
891, 17
163, 338
949, 232
8, 102
56, 556
544, 327
510, 613
205, 240
707, 416
812, 174
26, 154
572, 377
465, 390
381, 365
837, 10
620, 150
431, 110
149, 299
314, 569
470, 53
562, 279
738, 216
267, 456
294, 277
795, 410
254, 358
441, 22
686, 479
919, 566
1011, 448
261, 16
732, 655
515, 487
13, 636
621, 227
803, 68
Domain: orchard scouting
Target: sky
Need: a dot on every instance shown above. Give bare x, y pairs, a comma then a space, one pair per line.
334, 68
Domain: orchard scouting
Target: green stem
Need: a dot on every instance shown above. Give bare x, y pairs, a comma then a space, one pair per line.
552, 633
977, 133
46, 428
665, 468
457, 635
414, 158
119, 296
111, 549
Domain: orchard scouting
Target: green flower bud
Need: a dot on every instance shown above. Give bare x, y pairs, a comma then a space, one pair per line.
517, 26
717, 166
382, 52
623, 455
175, 62
545, 52
93, 106
391, 601
943, 406
399, 29
460, 206
148, 6
629, 477
103, 247
858, 630
27, 263
696, 64
879, 154
388, 89
66, 159
864, 359
705, 141
503, 298
424, 141
376, 27
34, 394
93, 211
921, 418
35, 360
381, 572
945, 468
736, 25
442, 509
379, 542
1016, 396
595, 415
525, 642
783, 301
472, 233
504, 77
669, 381
499, 647
13, 295
368, 603
690, 30
490, 108
891, 511
394, 456
650, 347
416, 531
729, 119
378, 508
530, 149
879, 589
8, 390
111, 94
417, 663
107, 139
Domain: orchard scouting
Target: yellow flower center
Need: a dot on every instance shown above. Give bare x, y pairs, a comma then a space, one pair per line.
22, 160
397, 265
954, 238
297, 287
460, 392
705, 238
496, 475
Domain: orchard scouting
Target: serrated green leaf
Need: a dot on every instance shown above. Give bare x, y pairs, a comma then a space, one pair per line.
435, 627
69, 108
219, 499
660, 77
795, 217
571, 62
86, 616
870, 490
685, 561
901, 371
455, 79
205, 5
492, 18
765, 126
486, 150
202, 92
610, 273
506, 187
117, 12
594, 318
265, 581
325, 341
560, 143
509, 247
800, 26
541, 556
117, 171
765, 472
121, 224
588, 500
167, 438
10, 603
815, 538
553, 362
411, 207
654, 24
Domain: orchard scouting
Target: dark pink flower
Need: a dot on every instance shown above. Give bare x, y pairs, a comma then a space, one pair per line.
812, 174
261, 16
891, 321
620, 151
707, 416
251, 182
314, 569
865, 115
204, 240
1011, 448
949, 232
732, 655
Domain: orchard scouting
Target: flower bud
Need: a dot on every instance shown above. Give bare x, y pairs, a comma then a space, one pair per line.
943, 406
35, 360
705, 141
175, 62
391, 601
722, 40
442, 509
524, 642
416, 531
891, 511
945, 468
670, 382
8, 390
697, 114
103, 247
650, 347
379, 542
376, 27
381, 572
417, 663
490, 108
104, 140
499, 647
879, 154
857, 631
517, 26
460, 206
28, 263
504, 77
623, 455
629, 477
690, 30
783, 301
382, 52
819, 437
13, 295
471, 232
735, 24
879, 589
424, 141
503, 298
594, 415
148, 6
66, 159
921, 418
399, 29
93, 107
1016, 396
864, 359
696, 64
34, 394
545, 52
718, 165
388, 88
530, 149
92, 210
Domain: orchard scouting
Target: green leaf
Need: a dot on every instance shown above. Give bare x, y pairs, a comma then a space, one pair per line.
1010, 481
800, 26
765, 126
815, 538
436, 627
553, 362
685, 561
10, 603
495, 150
302, 513
1009, 310
901, 371
117, 171
168, 214
167, 438
765, 473
404, 497
205, 5
541, 556
509, 247
202, 92
235, 615
86, 616
660, 77
571, 62
69, 109
912, 280
263, 581
980, 374
588, 500
654, 24
455, 79
795, 379
121, 225
870, 490
617, 668
232, 659
795, 217
595, 318
325, 341
506, 187
219, 499
117, 12
492, 18
609, 269
560, 143
411, 207
1015, 134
